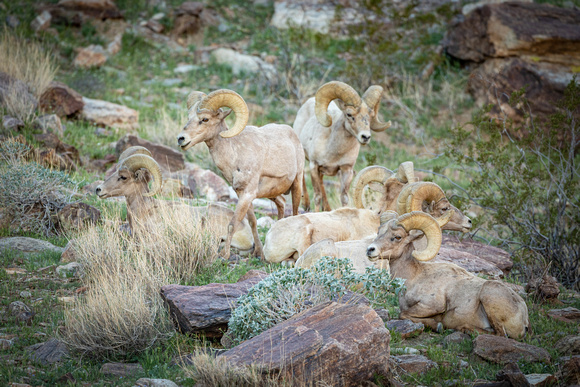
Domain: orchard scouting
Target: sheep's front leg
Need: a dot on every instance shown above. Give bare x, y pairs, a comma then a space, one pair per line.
244, 203
280, 205
258, 248
305, 194
316, 178
346, 175
296, 189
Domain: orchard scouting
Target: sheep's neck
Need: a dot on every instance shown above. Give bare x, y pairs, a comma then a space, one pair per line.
221, 151
139, 207
341, 140
406, 266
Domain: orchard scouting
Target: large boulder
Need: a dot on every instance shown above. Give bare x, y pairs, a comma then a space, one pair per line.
469, 262
60, 99
209, 185
205, 309
169, 159
494, 255
105, 113
336, 344
50, 352
28, 245
502, 350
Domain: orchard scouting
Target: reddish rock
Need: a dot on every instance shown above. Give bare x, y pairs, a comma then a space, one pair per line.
332, 344
99, 9
503, 350
469, 262
69, 153
414, 363
406, 328
91, 56
570, 315
169, 159
492, 254
204, 309
60, 99
253, 273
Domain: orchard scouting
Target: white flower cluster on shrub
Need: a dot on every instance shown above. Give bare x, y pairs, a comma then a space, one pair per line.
287, 292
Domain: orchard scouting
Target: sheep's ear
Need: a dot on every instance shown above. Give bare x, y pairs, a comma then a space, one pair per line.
223, 114
143, 175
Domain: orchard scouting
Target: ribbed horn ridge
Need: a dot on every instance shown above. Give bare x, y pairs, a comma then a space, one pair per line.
134, 150
193, 98
374, 173
413, 195
418, 220
227, 98
406, 172
135, 162
329, 92
372, 98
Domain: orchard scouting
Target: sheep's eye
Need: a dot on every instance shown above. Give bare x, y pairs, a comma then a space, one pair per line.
397, 237
349, 115
205, 120
122, 178
445, 209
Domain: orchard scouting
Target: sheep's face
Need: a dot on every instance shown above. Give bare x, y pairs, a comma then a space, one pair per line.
202, 126
390, 242
457, 222
124, 183
357, 121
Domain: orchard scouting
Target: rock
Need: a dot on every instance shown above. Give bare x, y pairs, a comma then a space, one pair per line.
25, 294
6, 344
469, 262
405, 351
537, 30
492, 254
185, 68
109, 114
467, 8
241, 63
50, 352
190, 19
145, 382
12, 123
28, 245
414, 363
50, 123
77, 215
546, 288
92, 56
487, 383
570, 372
13, 90
154, 26
12, 21
115, 45
210, 185
406, 328
60, 99
168, 159
261, 274
334, 344
121, 369
41, 22
175, 188
503, 350
571, 315
383, 314
99, 9
204, 309
158, 40
266, 222
511, 373
569, 345
541, 380
73, 269
455, 338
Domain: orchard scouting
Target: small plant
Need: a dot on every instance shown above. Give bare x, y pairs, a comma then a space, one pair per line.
31, 195
288, 292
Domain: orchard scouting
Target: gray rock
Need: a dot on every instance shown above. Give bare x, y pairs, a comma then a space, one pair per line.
41, 22
50, 352
242, 63
6, 344
17, 308
570, 314
406, 328
541, 380
50, 123
12, 21
25, 294
185, 68
109, 114
405, 351
266, 222
14, 89
383, 314
168, 158
503, 350
569, 345
145, 382
121, 369
12, 123
171, 82
28, 245
456, 338
414, 363
73, 269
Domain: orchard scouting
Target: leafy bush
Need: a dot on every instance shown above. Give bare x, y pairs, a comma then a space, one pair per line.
31, 195
527, 179
288, 292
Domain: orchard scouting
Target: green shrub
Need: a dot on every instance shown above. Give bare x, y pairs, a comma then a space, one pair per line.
31, 195
287, 292
527, 179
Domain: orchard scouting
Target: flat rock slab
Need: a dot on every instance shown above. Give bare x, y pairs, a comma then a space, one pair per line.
414, 363
49, 352
494, 255
28, 245
502, 350
468, 261
205, 309
569, 345
121, 369
570, 315
541, 380
456, 338
168, 158
338, 344
406, 328
109, 114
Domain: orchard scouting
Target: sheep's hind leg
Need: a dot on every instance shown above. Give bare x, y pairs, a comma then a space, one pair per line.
297, 193
319, 192
258, 248
346, 176
244, 203
304, 194
280, 205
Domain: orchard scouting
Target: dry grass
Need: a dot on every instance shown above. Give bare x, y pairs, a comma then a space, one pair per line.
122, 313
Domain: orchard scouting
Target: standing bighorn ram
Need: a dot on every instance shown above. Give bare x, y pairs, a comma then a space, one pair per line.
331, 134
263, 162
135, 170
443, 294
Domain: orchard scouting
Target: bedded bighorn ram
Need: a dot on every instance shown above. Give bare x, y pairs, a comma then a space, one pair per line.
263, 162
443, 294
135, 170
331, 134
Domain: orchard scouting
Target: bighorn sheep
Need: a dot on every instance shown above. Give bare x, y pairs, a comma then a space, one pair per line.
135, 169
263, 162
289, 238
331, 134
443, 294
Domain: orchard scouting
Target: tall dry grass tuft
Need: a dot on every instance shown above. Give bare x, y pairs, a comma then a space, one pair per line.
122, 313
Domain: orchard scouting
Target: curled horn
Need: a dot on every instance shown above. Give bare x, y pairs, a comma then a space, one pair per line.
329, 92
406, 172
418, 220
227, 98
193, 98
135, 162
365, 177
133, 150
372, 98
388, 215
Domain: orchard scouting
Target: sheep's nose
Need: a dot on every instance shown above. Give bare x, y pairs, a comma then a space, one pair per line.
469, 221
180, 140
365, 137
98, 190
370, 250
